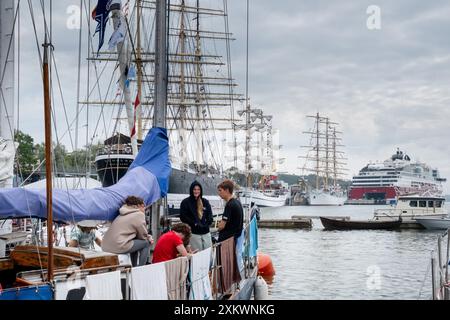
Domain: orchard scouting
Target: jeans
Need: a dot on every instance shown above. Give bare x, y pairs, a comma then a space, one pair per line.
140, 247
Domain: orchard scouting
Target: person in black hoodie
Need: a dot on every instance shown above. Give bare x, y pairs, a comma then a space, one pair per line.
196, 212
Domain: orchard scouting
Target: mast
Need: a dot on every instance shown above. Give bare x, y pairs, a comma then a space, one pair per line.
327, 165
48, 159
159, 118
160, 109
124, 58
138, 109
247, 108
317, 150
198, 74
7, 62
334, 159
182, 106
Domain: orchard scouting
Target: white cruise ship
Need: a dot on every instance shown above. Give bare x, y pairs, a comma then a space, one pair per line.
397, 176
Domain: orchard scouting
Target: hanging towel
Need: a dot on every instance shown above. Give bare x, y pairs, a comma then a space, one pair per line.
149, 282
176, 274
253, 237
229, 272
199, 275
104, 286
62, 288
240, 249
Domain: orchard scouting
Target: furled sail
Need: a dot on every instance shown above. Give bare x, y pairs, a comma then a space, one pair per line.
147, 177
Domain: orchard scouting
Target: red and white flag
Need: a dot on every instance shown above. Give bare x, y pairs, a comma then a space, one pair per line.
136, 104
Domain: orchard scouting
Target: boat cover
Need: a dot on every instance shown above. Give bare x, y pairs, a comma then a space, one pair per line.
147, 177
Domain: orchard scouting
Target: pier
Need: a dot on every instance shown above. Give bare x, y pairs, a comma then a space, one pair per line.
293, 223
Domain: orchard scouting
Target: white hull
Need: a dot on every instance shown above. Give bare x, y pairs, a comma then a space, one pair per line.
435, 223
261, 200
216, 202
321, 198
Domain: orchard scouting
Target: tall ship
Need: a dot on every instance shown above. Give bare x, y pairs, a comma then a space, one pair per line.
399, 175
325, 159
200, 102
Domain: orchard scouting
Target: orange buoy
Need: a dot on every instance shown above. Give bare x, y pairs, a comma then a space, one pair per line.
265, 266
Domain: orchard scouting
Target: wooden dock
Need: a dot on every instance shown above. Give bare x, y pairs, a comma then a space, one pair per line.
346, 218
293, 223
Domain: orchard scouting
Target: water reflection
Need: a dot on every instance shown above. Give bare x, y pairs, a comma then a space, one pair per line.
358, 264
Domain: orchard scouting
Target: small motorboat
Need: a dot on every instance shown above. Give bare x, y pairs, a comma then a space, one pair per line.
342, 224
434, 223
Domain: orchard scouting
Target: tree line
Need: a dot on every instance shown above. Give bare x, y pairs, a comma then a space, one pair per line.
30, 156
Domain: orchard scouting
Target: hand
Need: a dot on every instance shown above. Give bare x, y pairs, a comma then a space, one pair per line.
150, 239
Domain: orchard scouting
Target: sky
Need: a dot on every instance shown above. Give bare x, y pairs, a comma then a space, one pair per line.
382, 75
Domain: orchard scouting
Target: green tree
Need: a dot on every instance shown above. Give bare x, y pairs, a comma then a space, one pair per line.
25, 156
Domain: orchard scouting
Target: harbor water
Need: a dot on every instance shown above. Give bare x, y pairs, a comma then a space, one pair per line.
356, 264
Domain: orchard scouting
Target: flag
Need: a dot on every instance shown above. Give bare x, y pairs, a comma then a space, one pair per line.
100, 14
118, 34
136, 104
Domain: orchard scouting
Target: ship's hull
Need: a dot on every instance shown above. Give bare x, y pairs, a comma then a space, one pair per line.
260, 199
386, 194
323, 198
434, 223
112, 167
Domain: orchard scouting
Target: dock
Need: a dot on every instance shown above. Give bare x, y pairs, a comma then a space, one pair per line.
346, 218
293, 223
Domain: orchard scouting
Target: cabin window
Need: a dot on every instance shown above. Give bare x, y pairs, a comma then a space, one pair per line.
422, 204
413, 203
430, 204
438, 204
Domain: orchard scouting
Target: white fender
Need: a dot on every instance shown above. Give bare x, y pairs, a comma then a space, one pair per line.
261, 289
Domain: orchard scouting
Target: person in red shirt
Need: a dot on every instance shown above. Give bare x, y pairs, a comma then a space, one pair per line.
171, 244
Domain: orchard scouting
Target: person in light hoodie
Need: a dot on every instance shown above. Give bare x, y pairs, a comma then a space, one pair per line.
128, 232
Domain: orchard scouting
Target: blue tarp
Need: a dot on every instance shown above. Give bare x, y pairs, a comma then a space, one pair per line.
41, 292
147, 177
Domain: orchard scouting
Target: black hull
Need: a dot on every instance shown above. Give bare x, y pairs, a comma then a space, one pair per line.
337, 224
110, 170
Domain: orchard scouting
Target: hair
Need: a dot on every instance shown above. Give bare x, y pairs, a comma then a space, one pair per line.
200, 208
184, 229
227, 185
134, 201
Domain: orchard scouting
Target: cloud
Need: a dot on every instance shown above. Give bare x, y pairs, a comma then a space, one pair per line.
387, 88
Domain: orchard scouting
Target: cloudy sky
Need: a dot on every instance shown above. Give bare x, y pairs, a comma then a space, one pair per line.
387, 87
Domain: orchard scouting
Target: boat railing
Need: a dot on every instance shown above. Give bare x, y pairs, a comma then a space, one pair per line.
404, 212
440, 285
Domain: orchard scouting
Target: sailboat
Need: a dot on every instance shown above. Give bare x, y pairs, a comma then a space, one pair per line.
326, 161
58, 269
266, 193
200, 97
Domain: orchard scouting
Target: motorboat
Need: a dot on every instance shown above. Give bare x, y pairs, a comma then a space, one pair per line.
413, 206
434, 223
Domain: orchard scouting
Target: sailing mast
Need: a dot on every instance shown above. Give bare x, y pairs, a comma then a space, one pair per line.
48, 159
183, 106
7, 45
160, 109
138, 108
317, 150
124, 55
327, 164
198, 74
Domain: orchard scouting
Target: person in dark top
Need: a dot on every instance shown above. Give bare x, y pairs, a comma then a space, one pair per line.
233, 215
196, 212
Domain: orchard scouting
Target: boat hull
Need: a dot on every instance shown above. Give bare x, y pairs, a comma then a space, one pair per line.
434, 223
320, 198
337, 224
260, 199
112, 167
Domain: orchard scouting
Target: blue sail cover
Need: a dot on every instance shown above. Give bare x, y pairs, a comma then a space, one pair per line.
147, 177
